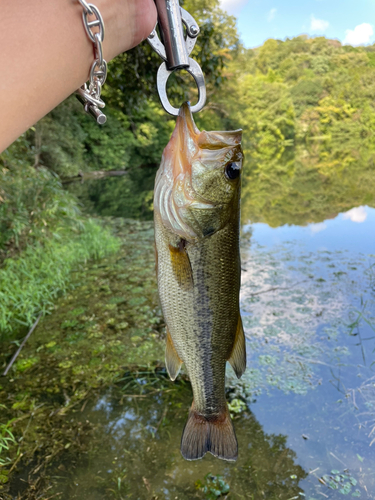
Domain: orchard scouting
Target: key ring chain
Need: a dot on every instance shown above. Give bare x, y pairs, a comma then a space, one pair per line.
89, 95
175, 53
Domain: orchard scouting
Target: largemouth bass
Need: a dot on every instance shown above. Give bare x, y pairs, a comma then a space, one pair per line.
197, 217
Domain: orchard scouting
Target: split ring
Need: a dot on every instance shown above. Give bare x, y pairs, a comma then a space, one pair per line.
196, 72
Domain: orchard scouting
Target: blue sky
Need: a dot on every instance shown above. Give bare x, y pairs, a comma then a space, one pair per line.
351, 21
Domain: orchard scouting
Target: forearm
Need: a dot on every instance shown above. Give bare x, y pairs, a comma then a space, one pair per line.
45, 54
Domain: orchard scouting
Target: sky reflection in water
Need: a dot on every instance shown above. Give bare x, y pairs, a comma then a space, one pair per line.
353, 230
308, 307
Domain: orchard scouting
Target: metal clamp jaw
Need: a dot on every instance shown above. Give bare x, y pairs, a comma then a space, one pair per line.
176, 50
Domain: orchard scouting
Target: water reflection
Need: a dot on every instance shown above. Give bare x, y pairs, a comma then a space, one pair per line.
135, 454
309, 315
297, 188
339, 233
308, 186
357, 214
308, 305
128, 196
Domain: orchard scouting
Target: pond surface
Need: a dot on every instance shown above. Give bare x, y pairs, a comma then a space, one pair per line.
308, 430
308, 308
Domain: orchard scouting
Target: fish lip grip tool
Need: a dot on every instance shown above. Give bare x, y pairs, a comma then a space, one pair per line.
175, 50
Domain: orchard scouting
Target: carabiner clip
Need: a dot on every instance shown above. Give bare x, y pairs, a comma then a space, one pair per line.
176, 51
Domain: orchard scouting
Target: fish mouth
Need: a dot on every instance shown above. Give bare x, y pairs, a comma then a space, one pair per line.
185, 124
184, 141
174, 193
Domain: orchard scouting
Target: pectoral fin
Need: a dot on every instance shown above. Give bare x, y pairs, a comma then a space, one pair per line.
181, 265
238, 357
172, 360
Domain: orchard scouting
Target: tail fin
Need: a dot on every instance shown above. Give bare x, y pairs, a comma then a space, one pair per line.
214, 435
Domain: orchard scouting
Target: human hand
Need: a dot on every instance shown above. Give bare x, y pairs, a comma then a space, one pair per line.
46, 54
127, 23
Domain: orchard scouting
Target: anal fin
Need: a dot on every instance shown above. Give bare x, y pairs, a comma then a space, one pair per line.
172, 360
238, 356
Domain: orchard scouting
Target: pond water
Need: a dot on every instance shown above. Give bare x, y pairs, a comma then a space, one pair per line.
311, 344
308, 431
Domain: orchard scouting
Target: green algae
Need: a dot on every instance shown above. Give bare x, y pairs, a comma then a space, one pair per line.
96, 416
93, 364
103, 327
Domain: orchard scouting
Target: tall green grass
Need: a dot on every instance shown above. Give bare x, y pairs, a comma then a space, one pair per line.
7, 439
43, 236
30, 283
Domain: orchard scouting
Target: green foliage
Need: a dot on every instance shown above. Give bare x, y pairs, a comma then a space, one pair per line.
42, 237
30, 283
33, 205
212, 487
298, 91
67, 141
127, 196
306, 93
132, 75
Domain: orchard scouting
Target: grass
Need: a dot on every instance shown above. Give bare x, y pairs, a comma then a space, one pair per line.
30, 283
6, 438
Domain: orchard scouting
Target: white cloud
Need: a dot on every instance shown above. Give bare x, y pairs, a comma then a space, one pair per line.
361, 35
271, 15
318, 25
232, 6
316, 228
356, 214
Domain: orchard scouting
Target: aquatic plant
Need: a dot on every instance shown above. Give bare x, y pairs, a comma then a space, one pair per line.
341, 481
212, 487
236, 406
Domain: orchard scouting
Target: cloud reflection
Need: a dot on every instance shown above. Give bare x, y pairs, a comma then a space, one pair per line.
358, 214
317, 228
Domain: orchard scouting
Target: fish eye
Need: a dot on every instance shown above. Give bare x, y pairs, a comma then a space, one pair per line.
232, 170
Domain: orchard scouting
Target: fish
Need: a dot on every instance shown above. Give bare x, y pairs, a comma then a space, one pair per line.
197, 229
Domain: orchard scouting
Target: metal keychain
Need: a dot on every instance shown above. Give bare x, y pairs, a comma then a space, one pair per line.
176, 50
89, 95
